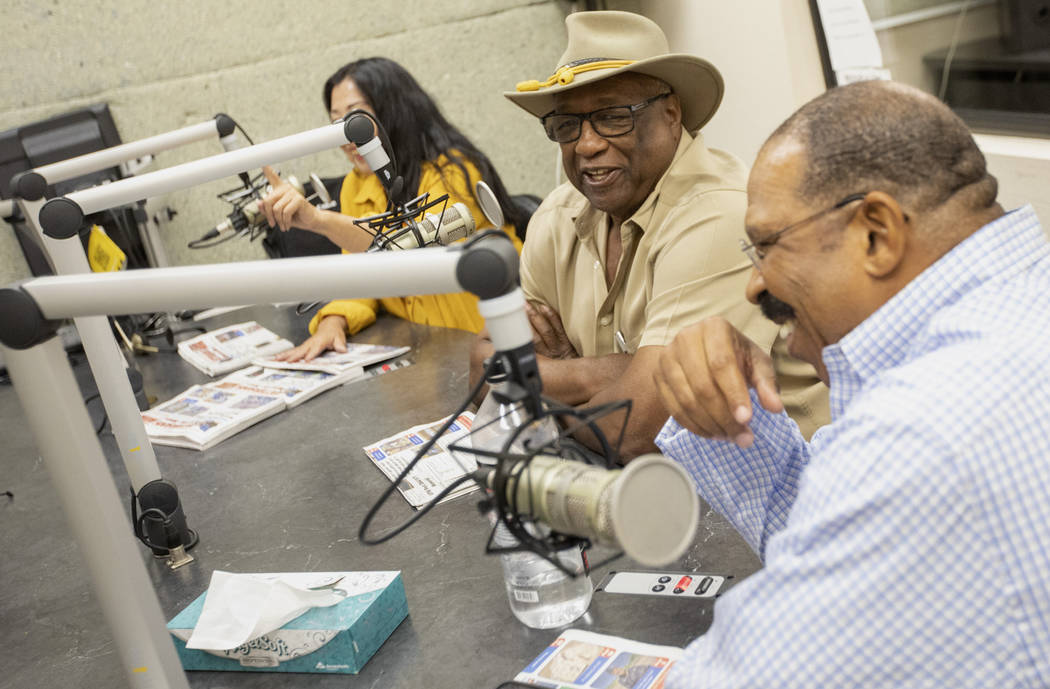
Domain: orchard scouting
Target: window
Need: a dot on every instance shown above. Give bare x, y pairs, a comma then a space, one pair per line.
988, 59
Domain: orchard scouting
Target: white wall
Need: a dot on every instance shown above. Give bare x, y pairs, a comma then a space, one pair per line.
766, 51
1022, 167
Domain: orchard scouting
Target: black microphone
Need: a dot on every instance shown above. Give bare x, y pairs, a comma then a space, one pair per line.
363, 131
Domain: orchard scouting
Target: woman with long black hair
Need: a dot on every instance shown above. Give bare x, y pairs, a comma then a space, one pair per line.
432, 157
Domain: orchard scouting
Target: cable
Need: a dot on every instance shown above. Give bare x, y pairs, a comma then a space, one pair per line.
384, 140
241, 130
423, 450
509, 468
951, 51
200, 243
305, 307
166, 522
102, 423
97, 395
249, 185
155, 324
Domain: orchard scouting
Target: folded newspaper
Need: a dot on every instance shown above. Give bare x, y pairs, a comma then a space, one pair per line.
356, 354
585, 660
208, 414
230, 348
438, 469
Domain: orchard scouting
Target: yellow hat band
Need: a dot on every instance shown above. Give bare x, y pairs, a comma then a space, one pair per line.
565, 75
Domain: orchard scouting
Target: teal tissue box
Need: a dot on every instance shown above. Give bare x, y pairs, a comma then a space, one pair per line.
336, 640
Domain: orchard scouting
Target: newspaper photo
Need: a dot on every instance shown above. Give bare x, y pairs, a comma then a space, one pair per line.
436, 470
584, 660
230, 348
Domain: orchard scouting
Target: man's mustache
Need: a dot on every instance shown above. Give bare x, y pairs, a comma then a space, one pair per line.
774, 309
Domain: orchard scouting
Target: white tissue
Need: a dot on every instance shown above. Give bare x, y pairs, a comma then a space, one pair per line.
241, 607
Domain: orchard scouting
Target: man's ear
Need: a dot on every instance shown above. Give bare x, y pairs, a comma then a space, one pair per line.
886, 233
673, 108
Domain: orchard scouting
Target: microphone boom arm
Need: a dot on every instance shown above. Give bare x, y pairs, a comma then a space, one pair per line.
31, 311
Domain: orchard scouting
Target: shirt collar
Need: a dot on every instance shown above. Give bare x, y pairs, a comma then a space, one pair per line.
369, 190
1003, 247
590, 217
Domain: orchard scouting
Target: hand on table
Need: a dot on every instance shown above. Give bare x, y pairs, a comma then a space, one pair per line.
285, 207
330, 334
703, 377
548, 333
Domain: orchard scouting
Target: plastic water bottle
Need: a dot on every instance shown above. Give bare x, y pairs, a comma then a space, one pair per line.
541, 596
496, 421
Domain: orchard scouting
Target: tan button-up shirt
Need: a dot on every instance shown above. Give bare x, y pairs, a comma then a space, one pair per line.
681, 263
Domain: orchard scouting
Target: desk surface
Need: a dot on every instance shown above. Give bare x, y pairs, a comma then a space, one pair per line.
288, 495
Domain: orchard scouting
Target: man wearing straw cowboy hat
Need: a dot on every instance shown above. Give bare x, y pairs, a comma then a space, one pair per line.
643, 239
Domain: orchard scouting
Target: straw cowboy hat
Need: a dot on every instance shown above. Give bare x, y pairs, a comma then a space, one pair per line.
604, 44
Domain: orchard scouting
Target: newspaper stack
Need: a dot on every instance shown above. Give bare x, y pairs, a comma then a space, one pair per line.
208, 414
435, 471
230, 348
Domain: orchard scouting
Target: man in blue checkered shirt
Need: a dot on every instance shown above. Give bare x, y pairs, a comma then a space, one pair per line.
907, 545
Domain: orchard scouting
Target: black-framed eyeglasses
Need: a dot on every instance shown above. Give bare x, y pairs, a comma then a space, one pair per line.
613, 121
756, 251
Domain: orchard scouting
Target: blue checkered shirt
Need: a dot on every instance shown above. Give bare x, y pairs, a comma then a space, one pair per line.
907, 545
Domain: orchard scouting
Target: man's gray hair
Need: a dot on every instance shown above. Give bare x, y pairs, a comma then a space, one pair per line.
883, 136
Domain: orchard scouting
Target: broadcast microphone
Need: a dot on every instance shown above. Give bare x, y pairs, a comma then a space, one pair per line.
650, 509
249, 215
361, 130
435, 228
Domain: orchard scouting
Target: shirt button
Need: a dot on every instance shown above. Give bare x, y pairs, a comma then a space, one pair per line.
605, 320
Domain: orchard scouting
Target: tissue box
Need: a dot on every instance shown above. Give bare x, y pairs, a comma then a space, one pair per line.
336, 640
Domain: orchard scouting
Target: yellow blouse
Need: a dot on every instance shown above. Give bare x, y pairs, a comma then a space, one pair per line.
362, 196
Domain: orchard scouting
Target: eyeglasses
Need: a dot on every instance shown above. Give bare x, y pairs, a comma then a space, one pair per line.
756, 251
615, 121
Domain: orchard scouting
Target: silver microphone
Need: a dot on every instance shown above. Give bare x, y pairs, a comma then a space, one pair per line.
435, 228
650, 509
250, 215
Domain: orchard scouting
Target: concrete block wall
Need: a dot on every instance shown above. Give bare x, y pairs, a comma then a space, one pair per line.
162, 66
